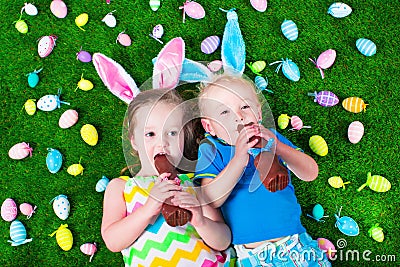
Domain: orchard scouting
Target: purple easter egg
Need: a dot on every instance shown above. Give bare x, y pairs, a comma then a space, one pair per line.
84, 56
210, 44
325, 98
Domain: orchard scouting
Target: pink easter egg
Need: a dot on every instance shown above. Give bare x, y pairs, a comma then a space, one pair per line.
20, 151
193, 9
89, 249
296, 122
9, 210
355, 132
58, 8
124, 39
326, 59
46, 45
327, 246
27, 209
215, 65
259, 5
68, 118
210, 44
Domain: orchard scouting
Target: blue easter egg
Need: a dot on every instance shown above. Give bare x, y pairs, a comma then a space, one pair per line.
54, 160
366, 47
33, 79
290, 70
102, 184
260, 82
339, 10
289, 30
347, 225
18, 234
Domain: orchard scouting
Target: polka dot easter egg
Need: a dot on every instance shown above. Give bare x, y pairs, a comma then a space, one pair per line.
9, 210
68, 119
337, 182
259, 5
324, 61
366, 47
110, 20
376, 183
290, 30
64, 237
33, 78
210, 44
58, 8
318, 145
61, 206
346, 225
193, 10
327, 246
325, 98
27, 209
101, 185
89, 134
355, 132
354, 104
376, 233
50, 102
30, 106
54, 160
20, 151
89, 249
18, 234
46, 45
289, 69
339, 10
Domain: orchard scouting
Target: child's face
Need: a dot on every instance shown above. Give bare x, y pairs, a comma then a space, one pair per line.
225, 107
159, 130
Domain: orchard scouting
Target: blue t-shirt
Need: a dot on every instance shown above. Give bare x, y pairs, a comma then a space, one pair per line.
253, 213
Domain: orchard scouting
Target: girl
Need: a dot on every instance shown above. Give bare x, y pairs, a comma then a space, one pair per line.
132, 222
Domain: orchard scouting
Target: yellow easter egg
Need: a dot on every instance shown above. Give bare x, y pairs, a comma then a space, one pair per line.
354, 104
89, 134
85, 85
30, 106
283, 121
318, 145
64, 237
337, 182
21, 26
81, 20
75, 169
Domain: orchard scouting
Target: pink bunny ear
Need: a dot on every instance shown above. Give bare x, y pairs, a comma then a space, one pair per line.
168, 66
114, 76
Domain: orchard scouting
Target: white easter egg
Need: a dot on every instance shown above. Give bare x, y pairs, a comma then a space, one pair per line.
30, 9
355, 132
61, 206
110, 20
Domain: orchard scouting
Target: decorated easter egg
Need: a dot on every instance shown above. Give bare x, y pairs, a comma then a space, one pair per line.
289, 30
110, 20
366, 47
124, 39
9, 210
75, 169
61, 206
354, 104
376, 233
259, 5
347, 225
30, 9
262, 83
296, 123
339, 10
53, 160
210, 44
84, 56
289, 69
376, 183
327, 246
325, 98
84, 84
355, 132
337, 182
21, 26
89, 249
30, 106
193, 10
257, 67
64, 237
58, 8
325, 60
102, 184
158, 31
27, 209
81, 20
155, 4
33, 78
18, 234
46, 45
215, 65
20, 151
68, 118
89, 134
283, 121
318, 145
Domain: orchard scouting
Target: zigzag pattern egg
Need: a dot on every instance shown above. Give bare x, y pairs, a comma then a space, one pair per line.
355, 132
210, 44
289, 30
89, 134
318, 145
9, 210
366, 47
68, 119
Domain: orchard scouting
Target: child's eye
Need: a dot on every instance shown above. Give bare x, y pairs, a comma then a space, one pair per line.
149, 134
173, 133
245, 107
224, 112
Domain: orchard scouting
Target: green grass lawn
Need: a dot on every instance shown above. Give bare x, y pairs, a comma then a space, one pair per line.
375, 79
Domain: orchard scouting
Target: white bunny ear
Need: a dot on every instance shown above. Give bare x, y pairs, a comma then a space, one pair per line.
193, 72
233, 51
168, 65
115, 78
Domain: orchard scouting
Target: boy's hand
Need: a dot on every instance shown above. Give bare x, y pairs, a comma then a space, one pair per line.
188, 201
267, 134
242, 143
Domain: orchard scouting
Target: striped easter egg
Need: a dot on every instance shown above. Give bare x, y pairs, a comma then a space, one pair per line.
9, 210
355, 132
210, 44
89, 249
257, 67
21, 26
259, 5
289, 30
154, 4
75, 169
261, 82
296, 122
325, 98
283, 121
339, 10
89, 134
61, 206
20, 151
102, 184
18, 234
366, 47
376, 233
64, 237
318, 145
30, 106
68, 118
376, 183
354, 104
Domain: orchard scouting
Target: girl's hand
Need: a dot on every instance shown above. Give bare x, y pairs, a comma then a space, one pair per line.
162, 190
242, 143
188, 201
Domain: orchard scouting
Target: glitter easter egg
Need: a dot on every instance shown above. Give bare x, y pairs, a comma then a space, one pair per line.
376, 183
215, 65
68, 119
89, 249
259, 5
81, 20
339, 10
337, 182
27, 209
30, 9
376, 233
89, 134
18, 234
64, 237
110, 20
325, 98
9, 210
30, 106
327, 246
61, 206
20, 151
46, 45
154, 4
54, 160
289, 30
354, 104
355, 132
283, 121
210, 44
124, 39
58, 8
102, 184
366, 47
318, 145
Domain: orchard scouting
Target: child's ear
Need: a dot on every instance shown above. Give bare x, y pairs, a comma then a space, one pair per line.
134, 146
207, 126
